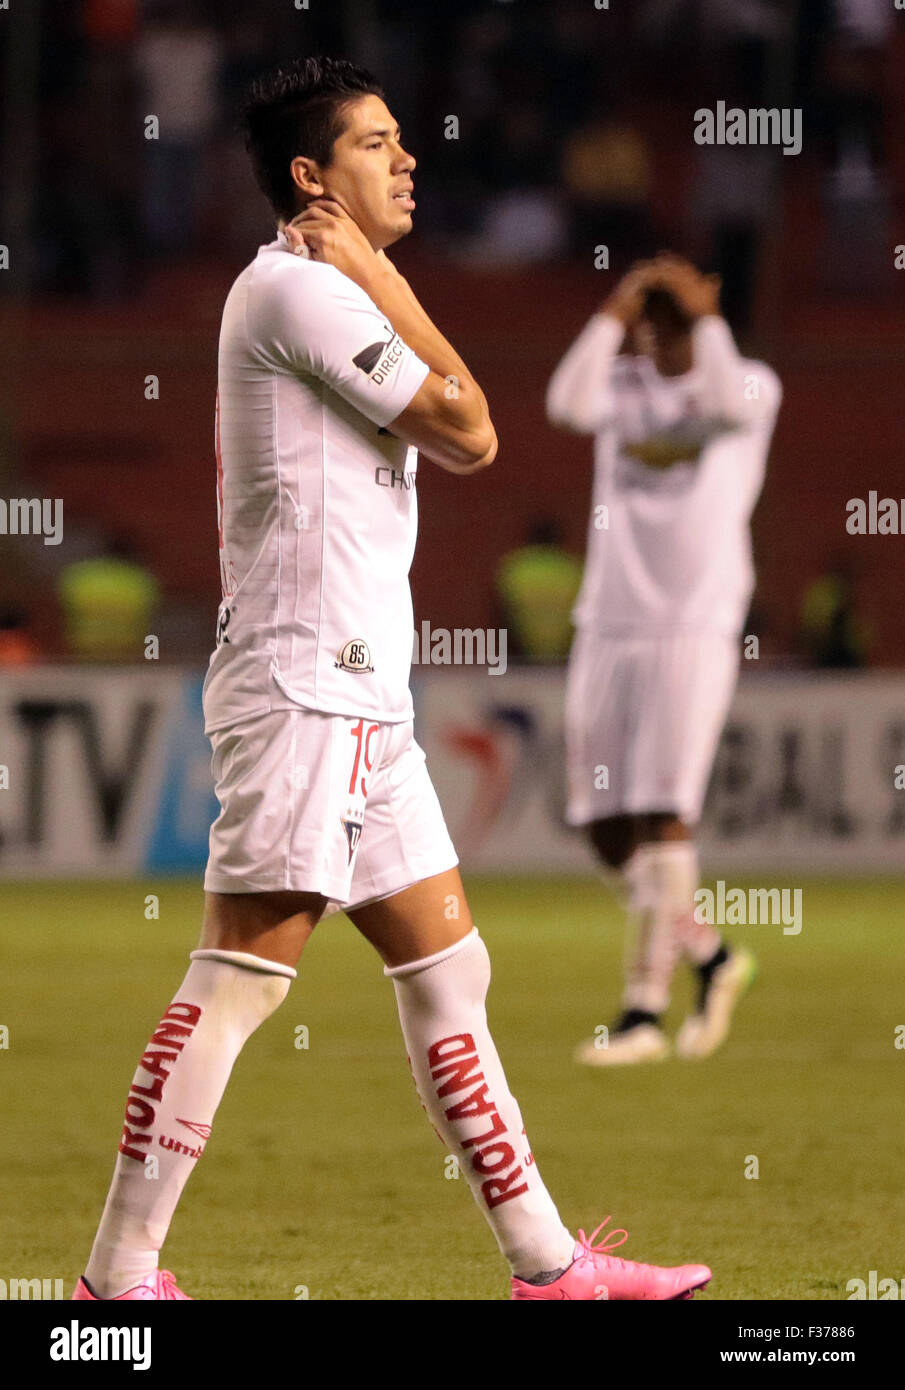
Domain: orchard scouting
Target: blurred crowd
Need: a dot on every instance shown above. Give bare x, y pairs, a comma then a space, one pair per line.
543, 129
536, 123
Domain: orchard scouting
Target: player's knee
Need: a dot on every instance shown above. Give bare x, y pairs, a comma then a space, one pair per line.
613, 840
236, 989
663, 828
459, 974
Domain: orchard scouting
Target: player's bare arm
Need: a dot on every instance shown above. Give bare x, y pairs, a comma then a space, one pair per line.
448, 420
578, 396
732, 399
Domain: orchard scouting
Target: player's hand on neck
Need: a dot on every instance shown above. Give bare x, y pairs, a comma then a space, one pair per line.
330, 235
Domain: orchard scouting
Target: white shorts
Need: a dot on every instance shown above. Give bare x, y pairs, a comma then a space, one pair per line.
322, 803
643, 722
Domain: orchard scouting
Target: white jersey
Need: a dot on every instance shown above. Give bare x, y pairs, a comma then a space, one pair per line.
316, 501
668, 547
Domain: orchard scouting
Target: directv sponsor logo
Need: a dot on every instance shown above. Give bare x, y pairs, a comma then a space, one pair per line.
379, 360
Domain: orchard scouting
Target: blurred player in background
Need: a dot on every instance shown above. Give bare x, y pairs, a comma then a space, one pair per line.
682, 428
331, 378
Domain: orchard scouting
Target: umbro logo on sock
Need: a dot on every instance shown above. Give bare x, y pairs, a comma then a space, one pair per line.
176, 1147
203, 1131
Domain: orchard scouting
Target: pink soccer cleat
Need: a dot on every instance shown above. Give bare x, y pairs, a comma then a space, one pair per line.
160, 1284
595, 1274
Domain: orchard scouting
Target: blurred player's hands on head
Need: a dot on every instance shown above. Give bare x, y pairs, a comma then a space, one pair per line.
627, 300
368, 177
695, 294
659, 301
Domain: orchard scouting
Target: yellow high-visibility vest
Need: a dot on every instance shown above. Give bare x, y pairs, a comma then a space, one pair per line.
538, 585
108, 604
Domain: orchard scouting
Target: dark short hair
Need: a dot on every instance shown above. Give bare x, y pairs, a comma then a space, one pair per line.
298, 110
661, 304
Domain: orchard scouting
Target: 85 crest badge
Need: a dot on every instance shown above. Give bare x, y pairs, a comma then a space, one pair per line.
355, 656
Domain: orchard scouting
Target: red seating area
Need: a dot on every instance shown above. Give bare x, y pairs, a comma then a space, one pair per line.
88, 434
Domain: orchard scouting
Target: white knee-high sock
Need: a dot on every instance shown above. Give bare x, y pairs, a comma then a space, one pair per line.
463, 1089
698, 941
618, 882
176, 1090
663, 878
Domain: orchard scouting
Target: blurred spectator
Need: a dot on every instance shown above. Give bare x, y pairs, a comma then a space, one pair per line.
537, 587
521, 227
247, 53
856, 193
515, 150
111, 21
729, 207
474, 95
524, 219
722, 51
606, 172
85, 221
178, 57
17, 645
866, 22
108, 604
576, 61
832, 636
710, 21
732, 191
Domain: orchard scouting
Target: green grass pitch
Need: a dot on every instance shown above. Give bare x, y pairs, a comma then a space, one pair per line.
323, 1177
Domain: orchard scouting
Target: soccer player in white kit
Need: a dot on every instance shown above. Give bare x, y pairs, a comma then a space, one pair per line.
682, 428
331, 379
